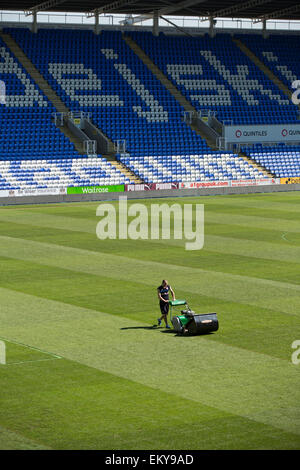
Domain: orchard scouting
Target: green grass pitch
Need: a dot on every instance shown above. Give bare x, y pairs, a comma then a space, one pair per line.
85, 370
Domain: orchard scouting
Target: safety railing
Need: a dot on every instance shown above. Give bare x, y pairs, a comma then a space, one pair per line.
114, 20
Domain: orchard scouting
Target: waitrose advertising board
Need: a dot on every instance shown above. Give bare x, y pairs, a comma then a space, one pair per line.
117, 188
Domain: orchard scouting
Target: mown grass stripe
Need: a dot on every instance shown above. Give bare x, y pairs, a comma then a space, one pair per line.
208, 256
89, 225
229, 208
252, 248
244, 289
279, 250
10, 440
142, 424
215, 374
55, 356
30, 362
261, 201
119, 371
242, 325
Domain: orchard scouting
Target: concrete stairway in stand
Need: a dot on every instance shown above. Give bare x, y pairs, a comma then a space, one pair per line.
179, 97
43, 85
134, 179
263, 67
256, 165
187, 106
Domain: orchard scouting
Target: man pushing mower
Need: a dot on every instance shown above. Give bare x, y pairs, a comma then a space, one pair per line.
188, 322
163, 295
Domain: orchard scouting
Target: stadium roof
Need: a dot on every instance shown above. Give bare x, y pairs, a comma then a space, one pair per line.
270, 9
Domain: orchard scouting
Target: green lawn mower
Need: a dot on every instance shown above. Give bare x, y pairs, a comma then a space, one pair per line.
190, 323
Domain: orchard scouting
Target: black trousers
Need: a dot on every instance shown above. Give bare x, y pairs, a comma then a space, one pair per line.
164, 307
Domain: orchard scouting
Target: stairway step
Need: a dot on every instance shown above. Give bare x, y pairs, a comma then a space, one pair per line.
187, 106
126, 172
255, 164
157, 72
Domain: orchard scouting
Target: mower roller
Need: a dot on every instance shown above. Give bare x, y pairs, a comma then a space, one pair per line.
189, 322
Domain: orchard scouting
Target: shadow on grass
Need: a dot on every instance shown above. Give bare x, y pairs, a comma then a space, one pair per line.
154, 327
188, 335
162, 329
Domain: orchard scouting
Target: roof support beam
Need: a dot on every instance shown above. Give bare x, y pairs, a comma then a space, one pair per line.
175, 26
155, 24
97, 26
168, 10
212, 23
109, 7
278, 14
264, 29
43, 6
40, 7
34, 26
235, 9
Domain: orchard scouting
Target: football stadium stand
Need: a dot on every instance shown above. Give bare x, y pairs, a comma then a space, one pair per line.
281, 160
27, 130
211, 77
101, 75
63, 172
279, 54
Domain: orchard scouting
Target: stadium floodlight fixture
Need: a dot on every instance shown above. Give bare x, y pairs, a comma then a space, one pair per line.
43, 6
109, 7
231, 11
278, 14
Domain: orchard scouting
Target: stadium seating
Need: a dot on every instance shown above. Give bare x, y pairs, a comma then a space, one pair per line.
232, 85
279, 53
30, 174
33, 151
214, 74
27, 130
184, 168
101, 75
281, 160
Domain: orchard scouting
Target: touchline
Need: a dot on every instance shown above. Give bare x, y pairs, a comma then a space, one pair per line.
138, 221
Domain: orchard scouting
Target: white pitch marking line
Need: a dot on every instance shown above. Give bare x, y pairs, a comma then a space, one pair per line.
36, 360
55, 356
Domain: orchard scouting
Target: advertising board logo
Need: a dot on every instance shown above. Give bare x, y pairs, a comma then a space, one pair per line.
284, 132
238, 133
